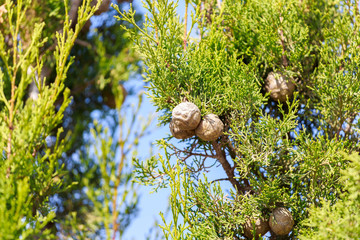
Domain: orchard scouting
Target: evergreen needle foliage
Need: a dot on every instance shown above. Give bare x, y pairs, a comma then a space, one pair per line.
273, 153
30, 169
339, 220
37, 37
62, 175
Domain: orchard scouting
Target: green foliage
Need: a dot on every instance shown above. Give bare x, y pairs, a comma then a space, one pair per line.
112, 203
204, 74
340, 220
95, 80
273, 154
57, 166
337, 83
30, 170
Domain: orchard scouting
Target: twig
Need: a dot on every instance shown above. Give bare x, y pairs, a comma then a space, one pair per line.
233, 155
14, 34
73, 13
83, 43
220, 179
185, 25
156, 27
117, 182
189, 153
282, 39
231, 148
220, 155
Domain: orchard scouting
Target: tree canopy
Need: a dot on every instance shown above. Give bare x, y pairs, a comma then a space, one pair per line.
282, 76
266, 91
65, 175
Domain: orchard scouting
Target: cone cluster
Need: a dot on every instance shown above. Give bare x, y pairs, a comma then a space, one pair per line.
281, 223
186, 122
